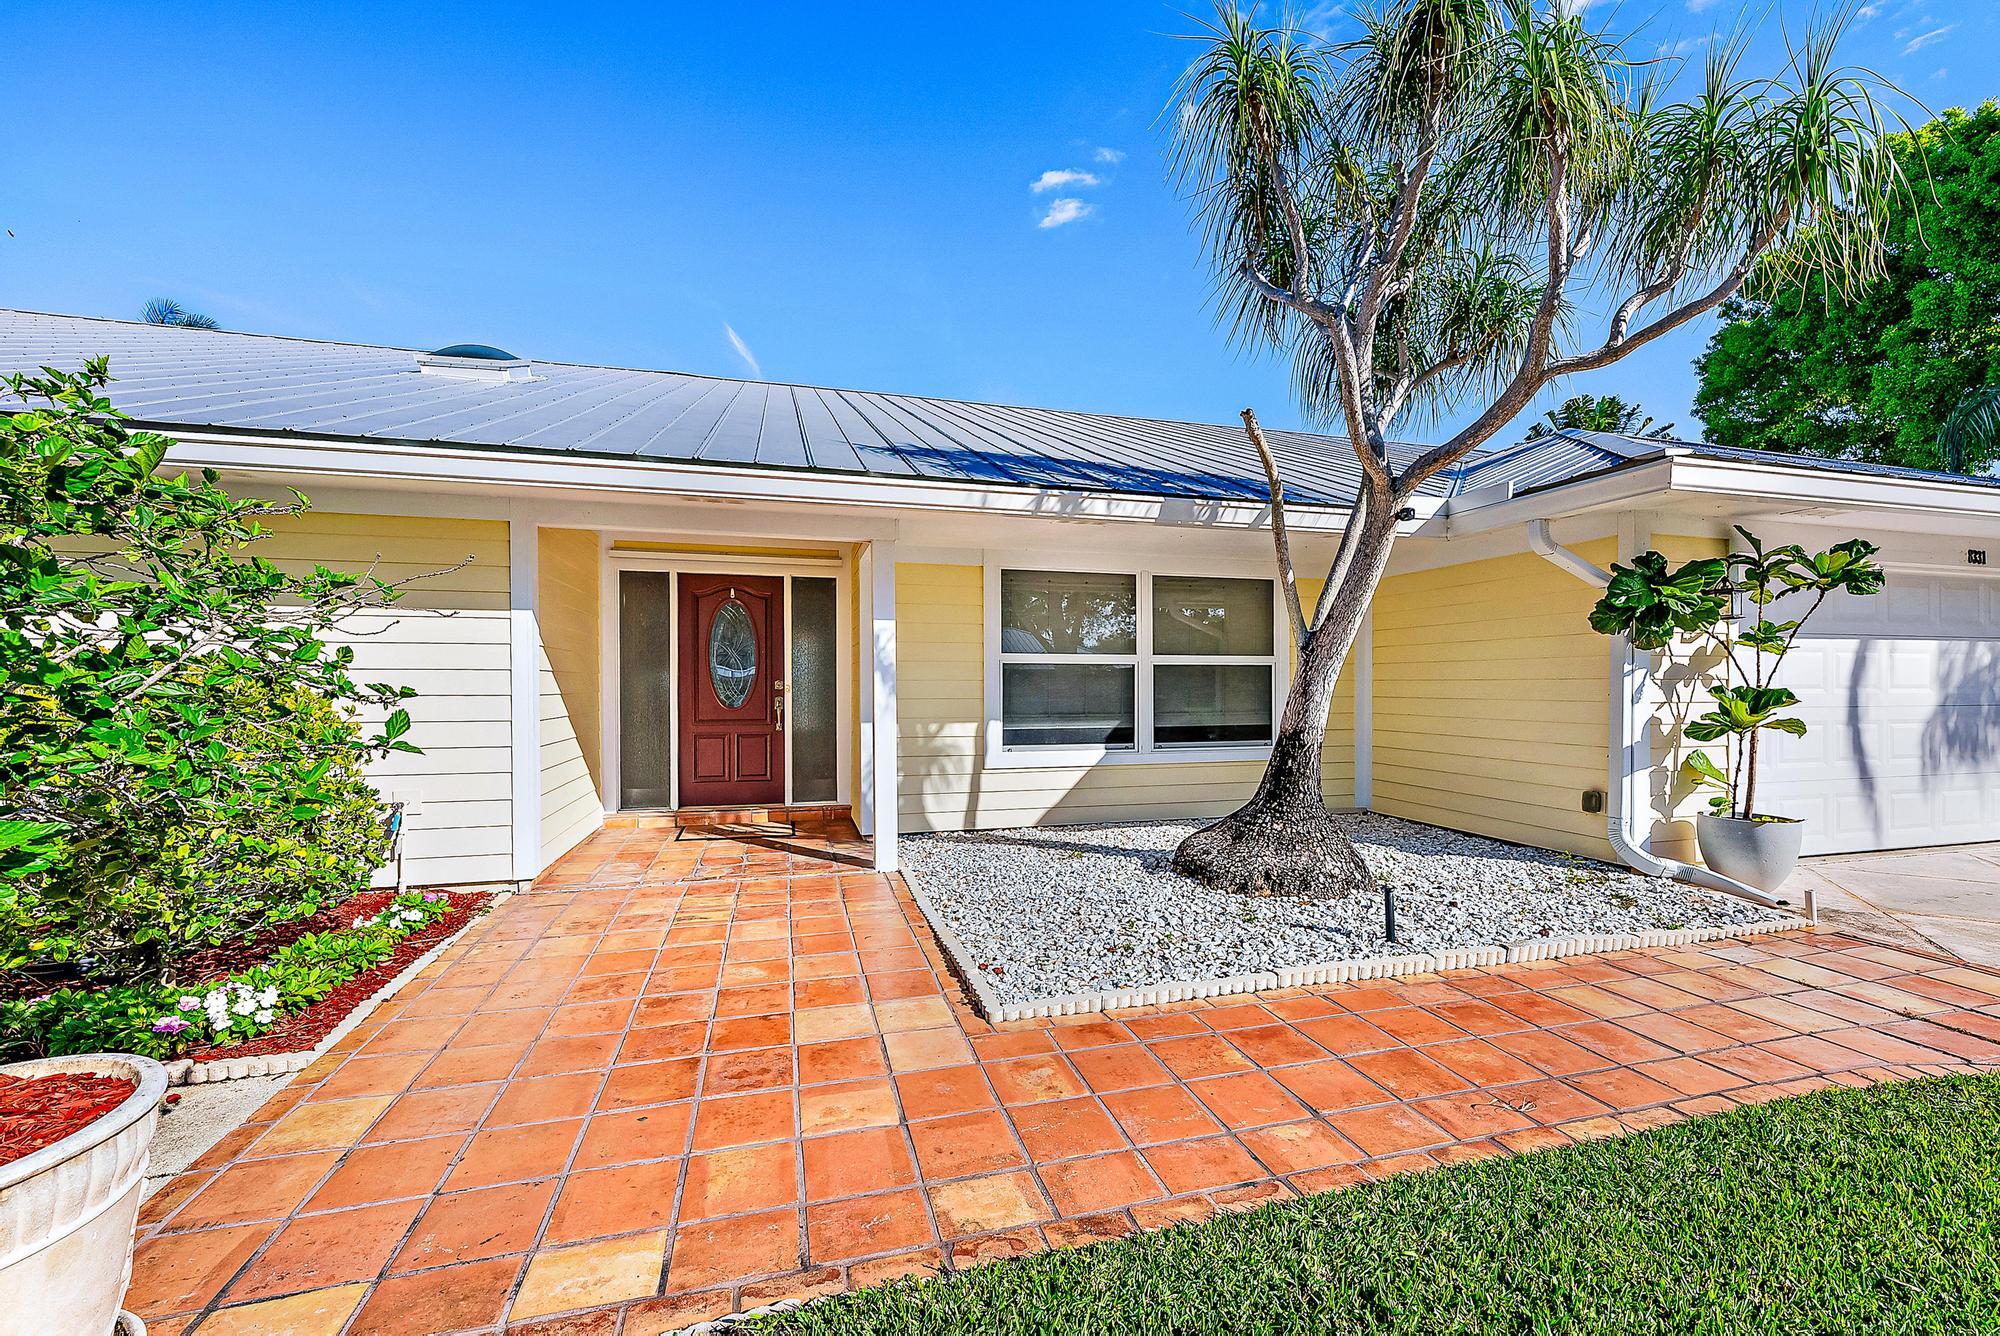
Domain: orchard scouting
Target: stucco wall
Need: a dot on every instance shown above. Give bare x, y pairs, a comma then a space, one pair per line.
447, 638
941, 700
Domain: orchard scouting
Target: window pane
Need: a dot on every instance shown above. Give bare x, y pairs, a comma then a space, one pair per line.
1055, 704
732, 655
1207, 614
645, 687
1197, 702
1068, 612
812, 703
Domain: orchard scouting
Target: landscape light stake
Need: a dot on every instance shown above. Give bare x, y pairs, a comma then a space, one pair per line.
1389, 911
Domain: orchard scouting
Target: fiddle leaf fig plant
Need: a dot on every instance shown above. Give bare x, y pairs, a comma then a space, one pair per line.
1695, 606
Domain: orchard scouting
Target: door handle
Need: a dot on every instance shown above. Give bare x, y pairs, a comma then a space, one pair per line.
778, 704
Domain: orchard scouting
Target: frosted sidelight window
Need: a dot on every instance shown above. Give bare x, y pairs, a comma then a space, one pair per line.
812, 701
645, 688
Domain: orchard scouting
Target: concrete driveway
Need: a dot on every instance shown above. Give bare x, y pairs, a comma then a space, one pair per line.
1945, 898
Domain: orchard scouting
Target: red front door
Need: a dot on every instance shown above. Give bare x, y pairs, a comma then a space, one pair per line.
732, 641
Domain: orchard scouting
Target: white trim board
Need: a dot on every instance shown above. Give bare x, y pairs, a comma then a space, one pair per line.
524, 679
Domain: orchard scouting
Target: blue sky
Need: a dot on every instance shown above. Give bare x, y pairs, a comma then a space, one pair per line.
833, 194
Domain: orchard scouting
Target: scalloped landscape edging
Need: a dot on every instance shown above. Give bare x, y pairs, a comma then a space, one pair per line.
994, 1010
186, 1071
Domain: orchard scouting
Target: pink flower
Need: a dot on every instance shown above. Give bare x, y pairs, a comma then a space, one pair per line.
169, 1025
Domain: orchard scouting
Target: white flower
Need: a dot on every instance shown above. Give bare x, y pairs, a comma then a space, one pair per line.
244, 1005
263, 1017
190, 1003
268, 998
412, 916
218, 1023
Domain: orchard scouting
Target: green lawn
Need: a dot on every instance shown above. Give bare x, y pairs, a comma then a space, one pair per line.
1842, 1211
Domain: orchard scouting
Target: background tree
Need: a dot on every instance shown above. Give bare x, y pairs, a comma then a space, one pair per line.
1408, 214
181, 751
167, 311
1598, 412
1876, 374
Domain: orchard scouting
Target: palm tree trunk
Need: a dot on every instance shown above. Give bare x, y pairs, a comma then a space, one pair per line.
1284, 841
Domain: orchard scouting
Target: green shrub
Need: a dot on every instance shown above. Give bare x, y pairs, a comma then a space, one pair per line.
160, 1020
180, 753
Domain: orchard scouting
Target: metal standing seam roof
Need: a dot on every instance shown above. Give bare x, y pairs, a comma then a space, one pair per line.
171, 378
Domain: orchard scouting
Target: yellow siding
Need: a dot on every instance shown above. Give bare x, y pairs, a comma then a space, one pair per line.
940, 671
566, 609
447, 638
1491, 713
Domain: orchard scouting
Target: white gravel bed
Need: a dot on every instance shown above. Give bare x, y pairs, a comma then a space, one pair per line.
1079, 909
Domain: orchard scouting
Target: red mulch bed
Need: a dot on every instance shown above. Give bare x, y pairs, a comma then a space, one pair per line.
38, 1111
303, 1029
208, 963
219, 962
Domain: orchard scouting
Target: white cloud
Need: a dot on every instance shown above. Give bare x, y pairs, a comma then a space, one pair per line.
1065, 210
1110, 157
1941, 72
1922, 40
1696, 6
1867, 12
743, 351
1686, 45
1061, 180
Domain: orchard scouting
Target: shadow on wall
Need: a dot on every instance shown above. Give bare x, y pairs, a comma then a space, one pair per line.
1684, 684
1857, 737
1963, 733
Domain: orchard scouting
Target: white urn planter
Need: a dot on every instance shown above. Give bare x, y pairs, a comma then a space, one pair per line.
1757, 853
67, 1211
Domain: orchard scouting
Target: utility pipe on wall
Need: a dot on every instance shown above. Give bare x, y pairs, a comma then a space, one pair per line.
1629, 676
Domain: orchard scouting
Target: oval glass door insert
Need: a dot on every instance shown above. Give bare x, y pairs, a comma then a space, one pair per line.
732, 655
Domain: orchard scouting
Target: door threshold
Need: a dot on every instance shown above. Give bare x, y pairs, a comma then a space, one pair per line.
743, 814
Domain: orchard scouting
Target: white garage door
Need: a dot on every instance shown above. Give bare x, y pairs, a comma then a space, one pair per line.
1901, 693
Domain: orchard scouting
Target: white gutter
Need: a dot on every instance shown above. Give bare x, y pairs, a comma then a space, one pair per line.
451, 467
1628, 685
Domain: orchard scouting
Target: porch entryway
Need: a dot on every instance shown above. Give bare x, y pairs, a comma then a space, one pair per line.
727, 689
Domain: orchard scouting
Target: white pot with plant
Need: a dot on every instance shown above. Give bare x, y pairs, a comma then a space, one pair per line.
68, 1205
1724, 606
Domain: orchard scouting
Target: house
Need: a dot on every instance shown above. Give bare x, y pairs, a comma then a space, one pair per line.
658, 592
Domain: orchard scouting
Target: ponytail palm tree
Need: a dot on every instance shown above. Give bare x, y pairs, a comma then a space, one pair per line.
1410, 217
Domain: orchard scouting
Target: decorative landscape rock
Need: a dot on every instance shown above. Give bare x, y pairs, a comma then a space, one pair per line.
1078, 909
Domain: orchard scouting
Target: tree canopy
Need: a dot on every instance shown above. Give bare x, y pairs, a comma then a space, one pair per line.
1598, 412
1875, 374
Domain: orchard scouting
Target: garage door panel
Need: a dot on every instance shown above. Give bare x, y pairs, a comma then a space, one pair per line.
1901, 697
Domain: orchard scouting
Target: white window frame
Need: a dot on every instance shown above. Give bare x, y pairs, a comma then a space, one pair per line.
1144, 751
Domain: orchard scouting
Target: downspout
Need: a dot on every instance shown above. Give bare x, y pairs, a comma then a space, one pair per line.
1627, 685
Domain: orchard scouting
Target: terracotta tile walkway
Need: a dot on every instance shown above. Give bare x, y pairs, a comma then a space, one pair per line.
691, 1076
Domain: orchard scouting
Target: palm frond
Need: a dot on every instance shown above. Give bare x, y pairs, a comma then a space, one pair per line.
167, 311
1971, 428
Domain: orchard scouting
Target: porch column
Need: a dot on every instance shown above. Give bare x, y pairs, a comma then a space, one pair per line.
525, 672
1362, 664
878, 701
